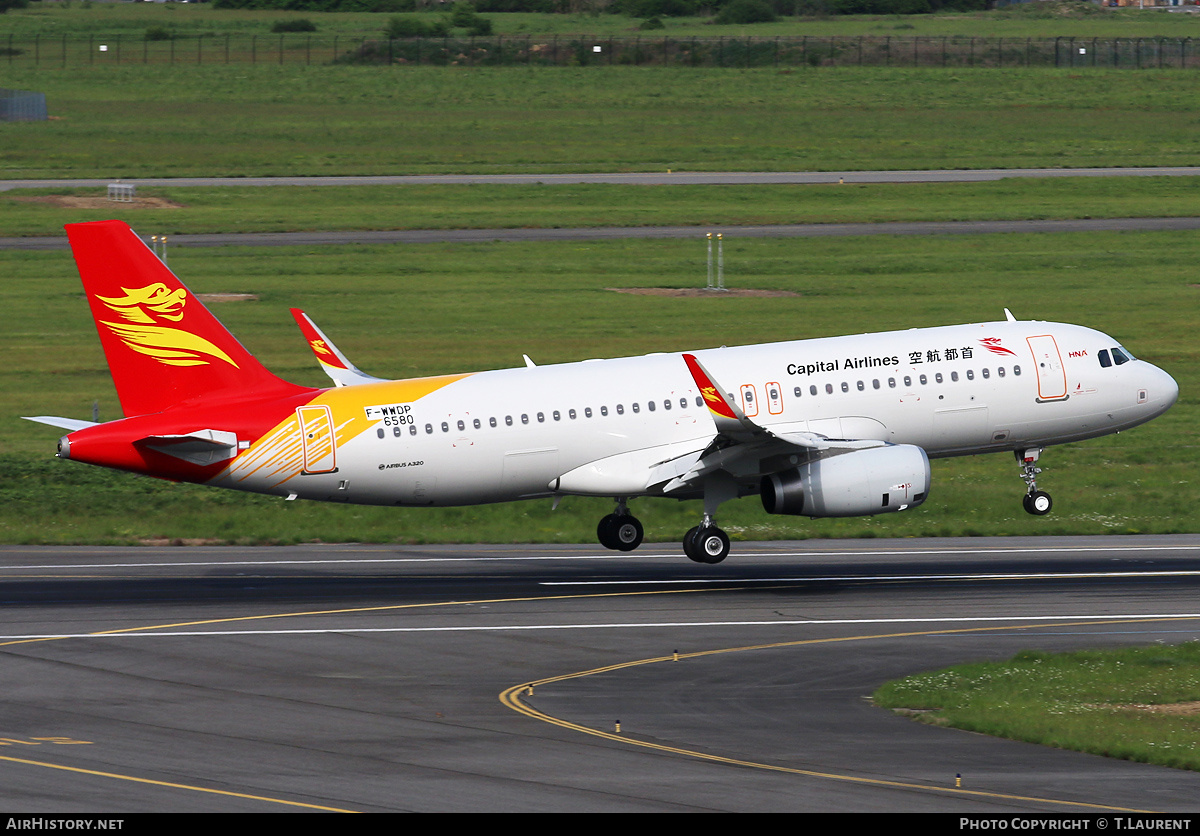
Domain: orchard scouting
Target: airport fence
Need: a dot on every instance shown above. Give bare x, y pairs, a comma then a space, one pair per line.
863, 51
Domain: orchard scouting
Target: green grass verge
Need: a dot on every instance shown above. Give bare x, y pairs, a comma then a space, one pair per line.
297, 208
1048, 20
297, 120
404, 311
1126, 703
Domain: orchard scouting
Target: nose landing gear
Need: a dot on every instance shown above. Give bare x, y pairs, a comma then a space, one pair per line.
1035, 502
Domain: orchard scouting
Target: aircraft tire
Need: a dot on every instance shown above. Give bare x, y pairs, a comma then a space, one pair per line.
1038, 503
606, 532
707, 544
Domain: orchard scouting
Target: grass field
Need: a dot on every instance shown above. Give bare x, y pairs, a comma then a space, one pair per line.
296, 120
412, 310
298, 208
81, 18
1131, 704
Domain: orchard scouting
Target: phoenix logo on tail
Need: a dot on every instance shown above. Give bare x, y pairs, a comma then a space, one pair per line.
172, 346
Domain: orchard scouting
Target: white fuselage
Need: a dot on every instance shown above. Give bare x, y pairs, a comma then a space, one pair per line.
515, 433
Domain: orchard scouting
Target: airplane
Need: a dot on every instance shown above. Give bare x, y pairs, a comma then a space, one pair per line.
829, 427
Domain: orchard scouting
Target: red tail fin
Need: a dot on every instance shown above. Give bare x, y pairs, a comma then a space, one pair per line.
162, 345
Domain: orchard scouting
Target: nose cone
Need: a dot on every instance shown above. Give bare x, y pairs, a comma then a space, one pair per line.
1162, 391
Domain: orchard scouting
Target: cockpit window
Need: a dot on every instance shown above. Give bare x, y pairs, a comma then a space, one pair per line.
1105, 360
1120, 357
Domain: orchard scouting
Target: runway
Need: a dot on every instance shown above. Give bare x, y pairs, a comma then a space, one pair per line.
384, 678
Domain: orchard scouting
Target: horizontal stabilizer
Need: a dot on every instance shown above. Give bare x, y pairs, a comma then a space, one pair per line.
71, 424
202, 447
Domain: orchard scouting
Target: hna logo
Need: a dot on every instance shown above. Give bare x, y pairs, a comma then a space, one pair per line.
1078, 353
144, 309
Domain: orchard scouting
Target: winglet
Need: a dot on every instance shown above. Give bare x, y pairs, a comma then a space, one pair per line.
340, 370
726, 414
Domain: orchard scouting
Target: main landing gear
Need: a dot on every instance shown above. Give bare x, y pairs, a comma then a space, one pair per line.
620, 530
706, 543
1036, 502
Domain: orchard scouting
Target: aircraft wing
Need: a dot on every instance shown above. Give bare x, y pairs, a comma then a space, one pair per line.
340, 370
741, 447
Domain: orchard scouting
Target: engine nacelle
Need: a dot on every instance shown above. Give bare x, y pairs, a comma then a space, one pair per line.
872, 481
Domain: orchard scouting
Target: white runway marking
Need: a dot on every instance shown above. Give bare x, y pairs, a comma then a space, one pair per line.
137, 633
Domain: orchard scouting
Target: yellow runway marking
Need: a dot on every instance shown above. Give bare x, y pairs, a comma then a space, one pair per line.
137, 780
287, 615
511, 698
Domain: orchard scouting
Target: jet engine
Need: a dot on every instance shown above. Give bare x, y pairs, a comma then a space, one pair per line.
861, 482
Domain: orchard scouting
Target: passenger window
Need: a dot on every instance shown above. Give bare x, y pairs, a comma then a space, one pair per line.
412, 429
970, 374
445, 427
861, 386
571, 414
907, 380
986, 374
461, 426
620, 409
650, 405
924, 380
508, 420
1000, 371
699, 401
845, 386
875, 383
683, 403
1017, 371
891, 383
954, 377
541, 417
477, 424
587, 412
492, 422
524, 418
379, 432
637, 407
938, 377
604, 410
557, 415
812, 390
796, 391
666, 404
429, 429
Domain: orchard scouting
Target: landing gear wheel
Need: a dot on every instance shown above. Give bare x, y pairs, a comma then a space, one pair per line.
1038, 503
706, 544
620, 532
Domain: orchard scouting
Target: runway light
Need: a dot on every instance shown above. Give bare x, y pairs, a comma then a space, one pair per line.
617, 726
958, 779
